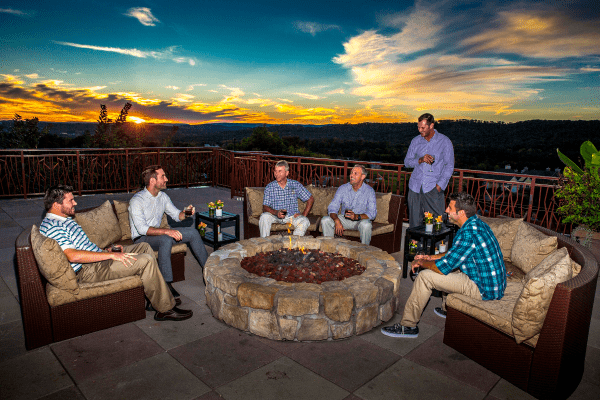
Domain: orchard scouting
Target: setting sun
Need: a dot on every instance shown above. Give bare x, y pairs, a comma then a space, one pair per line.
137, 120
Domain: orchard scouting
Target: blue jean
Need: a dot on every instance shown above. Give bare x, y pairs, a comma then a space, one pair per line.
164, 243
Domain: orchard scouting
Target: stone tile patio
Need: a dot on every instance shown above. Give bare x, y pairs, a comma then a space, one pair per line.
202, 358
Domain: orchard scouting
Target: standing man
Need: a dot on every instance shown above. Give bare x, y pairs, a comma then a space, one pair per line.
358, 207
476, 257
280, 204
92, 264
432, 156
146, 210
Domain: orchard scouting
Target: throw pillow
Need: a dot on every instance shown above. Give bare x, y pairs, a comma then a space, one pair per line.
531, 247
557, 256
123, 216
164, 222
255, 201
323, 196
53, 262
100, 225
383, 207
505, 230
533, 303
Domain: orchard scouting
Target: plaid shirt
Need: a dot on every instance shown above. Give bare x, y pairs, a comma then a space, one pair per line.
285, 199
477, 253
68, 234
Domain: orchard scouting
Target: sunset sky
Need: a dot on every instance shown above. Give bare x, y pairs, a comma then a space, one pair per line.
312, 62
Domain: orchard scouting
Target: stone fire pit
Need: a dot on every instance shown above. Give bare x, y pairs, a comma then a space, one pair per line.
302, 311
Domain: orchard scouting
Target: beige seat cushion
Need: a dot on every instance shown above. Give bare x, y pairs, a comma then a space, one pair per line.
383, 207
377, 229
532, 305
57, 297
323, 196
255, 197
100, 225
495, 313
314, 224
53, 262
505, 230
531, 247
177, 248
123, 217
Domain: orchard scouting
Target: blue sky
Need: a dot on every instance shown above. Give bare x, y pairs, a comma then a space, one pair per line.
312, 62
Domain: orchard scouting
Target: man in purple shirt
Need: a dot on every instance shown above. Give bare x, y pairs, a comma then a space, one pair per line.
432, 156
355, 201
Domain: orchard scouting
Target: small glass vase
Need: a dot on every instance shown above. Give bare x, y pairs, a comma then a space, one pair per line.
219, 212
437, 226
202, 231
211, 212
428, 228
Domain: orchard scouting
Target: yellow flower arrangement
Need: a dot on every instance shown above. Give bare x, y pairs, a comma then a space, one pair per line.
428, 217
211, 206
438, 220
202, 225
220, 204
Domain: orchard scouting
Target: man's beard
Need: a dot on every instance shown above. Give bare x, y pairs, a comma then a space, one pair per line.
70, 211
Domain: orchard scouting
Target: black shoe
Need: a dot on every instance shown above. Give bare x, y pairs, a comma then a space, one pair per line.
174, 314
150, 308
174, 292
398, 331
439, 312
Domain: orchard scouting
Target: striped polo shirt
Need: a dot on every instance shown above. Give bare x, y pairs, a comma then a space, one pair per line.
68, 234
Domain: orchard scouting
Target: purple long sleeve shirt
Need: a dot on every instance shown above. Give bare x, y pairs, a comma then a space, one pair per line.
441, 170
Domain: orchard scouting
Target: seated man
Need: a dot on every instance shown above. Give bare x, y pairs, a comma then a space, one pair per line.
476, 257
92, 264
280, 204
146, 210
359, 207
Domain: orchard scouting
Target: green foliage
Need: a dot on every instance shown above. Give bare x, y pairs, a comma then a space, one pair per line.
579, 196
263, 140
25, 134
590, 155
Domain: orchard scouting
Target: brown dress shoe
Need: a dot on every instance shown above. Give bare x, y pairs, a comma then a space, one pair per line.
174, 314
150, 308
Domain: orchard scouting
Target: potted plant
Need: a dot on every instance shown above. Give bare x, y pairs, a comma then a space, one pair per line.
202, 228
219, 204
579, 197
428, 222
211, 209
437, 226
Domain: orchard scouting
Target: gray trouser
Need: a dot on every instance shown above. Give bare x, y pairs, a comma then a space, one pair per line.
432, 201
300, 223
364, 227
164, 243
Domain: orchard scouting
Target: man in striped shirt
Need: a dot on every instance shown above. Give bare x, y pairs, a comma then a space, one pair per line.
474, 267
92, 264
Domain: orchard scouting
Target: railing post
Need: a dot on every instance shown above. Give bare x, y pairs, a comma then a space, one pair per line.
187, 168
158, 155
460, 181
23, 174
531, 193
345, 171
259, 170
127, 169
213, 166
79, 172
299, 162
399, 176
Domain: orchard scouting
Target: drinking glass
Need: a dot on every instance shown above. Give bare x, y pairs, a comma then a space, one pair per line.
284, 212
413, 275
188, 211
431, 163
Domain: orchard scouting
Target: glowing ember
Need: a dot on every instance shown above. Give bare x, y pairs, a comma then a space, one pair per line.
312, 266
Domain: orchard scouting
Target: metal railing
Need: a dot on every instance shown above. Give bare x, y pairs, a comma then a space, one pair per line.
26, 173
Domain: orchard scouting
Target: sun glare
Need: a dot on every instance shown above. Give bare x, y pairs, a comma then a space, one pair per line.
137, 120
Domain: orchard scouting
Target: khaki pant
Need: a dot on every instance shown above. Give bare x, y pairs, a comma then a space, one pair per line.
145, 266
455, 282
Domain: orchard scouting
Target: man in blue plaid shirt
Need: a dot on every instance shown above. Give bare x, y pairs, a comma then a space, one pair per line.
280, 204
474, 267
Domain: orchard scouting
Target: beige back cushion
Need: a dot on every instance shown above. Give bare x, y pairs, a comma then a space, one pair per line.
100, 225
531, 247
164, 223
255, 199
505, 230
52, 262
533, 303
123, 216
323, 196
383, 207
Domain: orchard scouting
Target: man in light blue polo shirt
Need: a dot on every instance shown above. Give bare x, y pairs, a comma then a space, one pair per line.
280, 202
358, 207
432, 156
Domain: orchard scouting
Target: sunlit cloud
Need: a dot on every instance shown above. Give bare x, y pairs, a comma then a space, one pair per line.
314, 27
172, 87
137, 120
589, 69
13, 12
12, 79
142, 14
191, 87
539, 34
183, 98
308, 96
336, 91
286, 100
159, 55
396, 71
